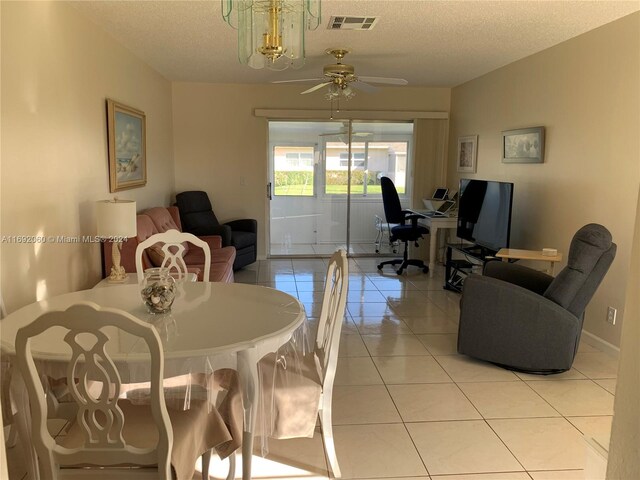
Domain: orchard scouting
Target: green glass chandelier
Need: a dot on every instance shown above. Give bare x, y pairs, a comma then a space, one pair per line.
271, 32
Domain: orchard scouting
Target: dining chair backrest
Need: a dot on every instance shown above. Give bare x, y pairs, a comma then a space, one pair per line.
99, 417
3, 310
172, 249
5, 401
3, 457
332, 315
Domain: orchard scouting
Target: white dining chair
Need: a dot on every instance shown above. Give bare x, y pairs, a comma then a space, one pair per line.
172, 250
55, 409
327, 344
3, 453
12, 435
109, 431
319, 368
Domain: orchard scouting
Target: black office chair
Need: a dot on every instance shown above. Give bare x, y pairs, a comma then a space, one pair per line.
405, 233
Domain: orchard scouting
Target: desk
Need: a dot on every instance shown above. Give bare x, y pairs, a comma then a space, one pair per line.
511, 253
211, 319
434, 224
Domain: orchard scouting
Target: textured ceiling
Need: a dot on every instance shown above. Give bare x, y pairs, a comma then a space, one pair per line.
430, 43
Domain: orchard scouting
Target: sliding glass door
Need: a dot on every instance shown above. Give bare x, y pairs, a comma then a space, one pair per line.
325, 185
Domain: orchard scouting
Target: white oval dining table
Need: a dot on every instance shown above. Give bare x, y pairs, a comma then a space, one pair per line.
207, 321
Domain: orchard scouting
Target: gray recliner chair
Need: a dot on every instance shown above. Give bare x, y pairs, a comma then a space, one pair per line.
529, 321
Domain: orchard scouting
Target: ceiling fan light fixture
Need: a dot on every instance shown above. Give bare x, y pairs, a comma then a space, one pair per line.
348, 93
271, 32
341, 81
333, 92
338, 90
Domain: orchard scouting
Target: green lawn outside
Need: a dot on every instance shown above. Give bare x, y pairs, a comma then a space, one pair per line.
307, 190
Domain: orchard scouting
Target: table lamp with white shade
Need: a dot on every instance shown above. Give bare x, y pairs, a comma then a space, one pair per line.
116, 220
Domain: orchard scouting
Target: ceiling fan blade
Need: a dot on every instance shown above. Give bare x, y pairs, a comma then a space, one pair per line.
316, 87
389, 81
299, 80
354, 134
332, 134
365, 87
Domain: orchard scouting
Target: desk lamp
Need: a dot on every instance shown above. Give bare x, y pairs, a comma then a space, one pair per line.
116, 220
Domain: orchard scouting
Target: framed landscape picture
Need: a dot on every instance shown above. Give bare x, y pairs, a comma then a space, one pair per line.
126, 128
467, 153
525, 145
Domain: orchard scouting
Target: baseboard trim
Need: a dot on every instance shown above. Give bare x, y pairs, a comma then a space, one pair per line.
602, 345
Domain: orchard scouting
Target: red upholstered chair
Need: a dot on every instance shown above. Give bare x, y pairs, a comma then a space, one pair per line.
162, 219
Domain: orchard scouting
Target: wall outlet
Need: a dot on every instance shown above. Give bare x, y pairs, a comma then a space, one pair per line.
611, 315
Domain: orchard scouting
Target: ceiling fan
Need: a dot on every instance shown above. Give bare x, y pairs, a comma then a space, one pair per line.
343, 136
340, 77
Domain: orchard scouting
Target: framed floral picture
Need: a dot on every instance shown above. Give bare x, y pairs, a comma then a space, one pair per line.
467, 153
126, 128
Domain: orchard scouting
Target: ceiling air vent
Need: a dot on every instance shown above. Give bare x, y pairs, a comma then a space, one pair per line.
352, 23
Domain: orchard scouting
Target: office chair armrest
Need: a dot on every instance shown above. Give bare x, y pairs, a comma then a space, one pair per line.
411, 215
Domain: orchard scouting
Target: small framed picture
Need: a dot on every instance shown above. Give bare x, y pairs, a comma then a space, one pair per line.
126, 128
525, 145
467, 153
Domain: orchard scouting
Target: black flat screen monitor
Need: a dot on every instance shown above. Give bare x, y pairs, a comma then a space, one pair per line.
484, 213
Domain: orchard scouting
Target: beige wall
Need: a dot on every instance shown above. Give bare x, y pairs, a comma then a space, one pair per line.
586, 93
219, 143
57, 70
624, 461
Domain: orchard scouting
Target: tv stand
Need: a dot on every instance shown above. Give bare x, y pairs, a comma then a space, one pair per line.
457, 270
477, 251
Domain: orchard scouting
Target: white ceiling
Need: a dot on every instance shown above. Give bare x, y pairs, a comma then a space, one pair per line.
430, 43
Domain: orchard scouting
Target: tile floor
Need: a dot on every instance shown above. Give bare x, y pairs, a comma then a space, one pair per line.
406, 406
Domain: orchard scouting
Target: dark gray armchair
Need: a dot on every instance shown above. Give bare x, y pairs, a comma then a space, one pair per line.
528, 321
197, 217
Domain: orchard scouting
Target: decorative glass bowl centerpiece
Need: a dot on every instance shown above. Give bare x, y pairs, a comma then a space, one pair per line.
158, 290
